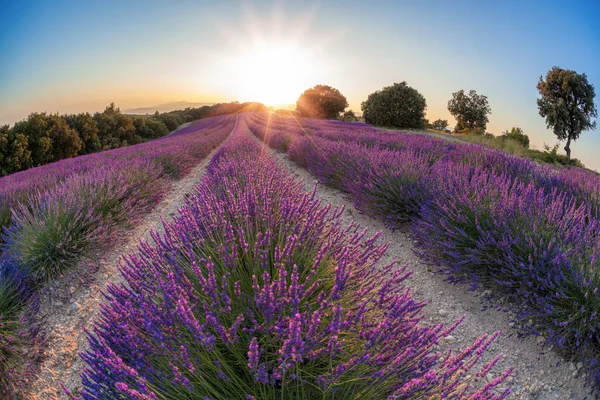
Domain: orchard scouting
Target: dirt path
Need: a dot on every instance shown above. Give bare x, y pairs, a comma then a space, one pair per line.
67, 318
540, 373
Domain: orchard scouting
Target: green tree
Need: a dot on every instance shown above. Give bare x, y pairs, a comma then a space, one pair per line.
349, 116
517, 135
171, 121
321, 101
440, 124
149, 128
398, 105
86, 128
14, 151
34, 128
567, 103
470, 110
114, 129
66, 143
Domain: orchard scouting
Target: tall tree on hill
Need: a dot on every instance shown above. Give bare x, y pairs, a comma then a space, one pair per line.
567, 103
470, 111
321, 101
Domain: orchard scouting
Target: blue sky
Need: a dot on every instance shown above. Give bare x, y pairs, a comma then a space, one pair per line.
72, 56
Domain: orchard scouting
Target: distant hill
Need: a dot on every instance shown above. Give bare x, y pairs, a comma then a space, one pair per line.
175, 105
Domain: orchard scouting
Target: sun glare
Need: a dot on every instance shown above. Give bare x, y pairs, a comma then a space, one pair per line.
269, 58
274, 74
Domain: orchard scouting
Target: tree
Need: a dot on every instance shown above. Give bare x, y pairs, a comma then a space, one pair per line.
114, 129
34, 128
398, 105
66, 143
567, 103
470, 110
440, 124
14, 151
349, 116
517, 135
87, 130
321, 101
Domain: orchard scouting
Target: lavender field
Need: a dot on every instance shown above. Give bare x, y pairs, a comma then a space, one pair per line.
258, 290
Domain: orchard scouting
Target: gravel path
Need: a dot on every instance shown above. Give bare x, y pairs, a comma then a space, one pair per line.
540, 373
74, 311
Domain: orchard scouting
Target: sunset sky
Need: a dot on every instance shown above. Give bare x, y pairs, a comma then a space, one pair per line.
73, 56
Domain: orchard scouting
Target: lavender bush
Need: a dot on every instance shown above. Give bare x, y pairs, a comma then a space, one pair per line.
257, 291
530, 230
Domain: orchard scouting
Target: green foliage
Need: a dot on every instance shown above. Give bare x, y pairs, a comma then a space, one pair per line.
440, 124
398, 105
66, 143
470, 110
321, 101
149, 128
49, 238
349, 116
38, 134
85, 126
14, 151
550, 155
114, 129
567, 103
517, 135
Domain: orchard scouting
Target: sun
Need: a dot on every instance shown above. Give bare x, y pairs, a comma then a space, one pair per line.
268, 56
274, 73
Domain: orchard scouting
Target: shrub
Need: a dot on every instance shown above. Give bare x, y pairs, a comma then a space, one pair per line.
517, 135
398, 105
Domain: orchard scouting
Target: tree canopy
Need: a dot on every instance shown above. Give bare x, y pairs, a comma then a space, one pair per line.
398, 105
321, 101
440, 124
567, 103
470, 111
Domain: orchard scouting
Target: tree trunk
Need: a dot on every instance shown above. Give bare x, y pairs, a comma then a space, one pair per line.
568, 149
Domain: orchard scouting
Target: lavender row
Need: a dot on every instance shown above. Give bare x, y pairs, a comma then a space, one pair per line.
258, 291
577, 182
511, 224
70, 208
